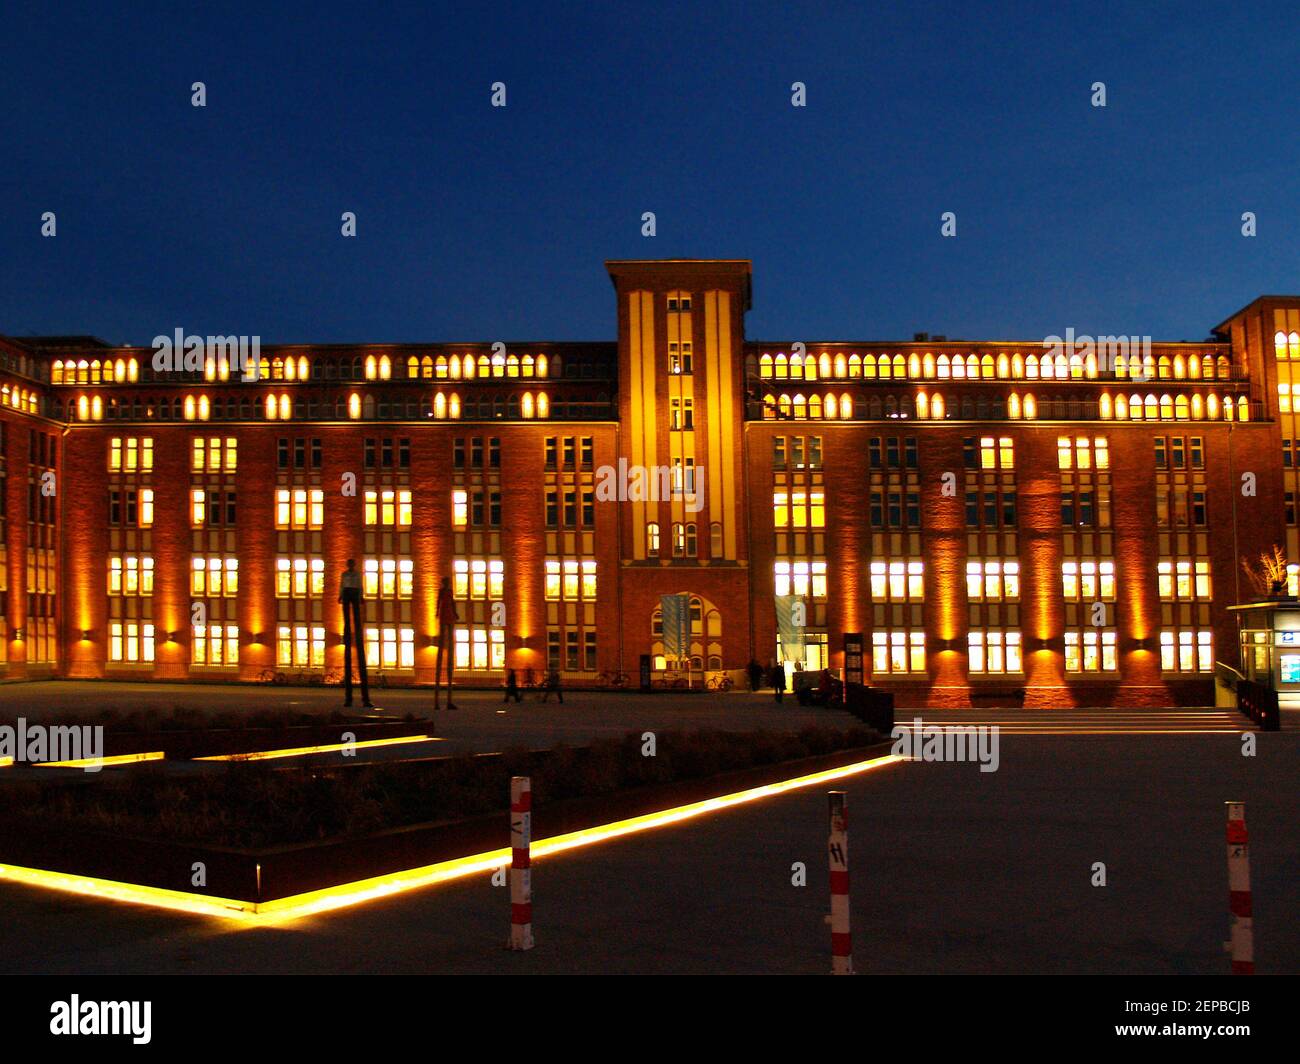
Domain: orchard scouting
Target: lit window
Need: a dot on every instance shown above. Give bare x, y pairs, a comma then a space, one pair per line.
480, 647
897, 581
215, 644
130, 575
477, 578
389, 578
389, 507
992, 581
570, 579
299, 508
214, 576
1090, 650
299, 577
1088, 581
1187, 651
993, 651
390, 647
1183, 579
459, 508
804, 578
897, 652
130, 641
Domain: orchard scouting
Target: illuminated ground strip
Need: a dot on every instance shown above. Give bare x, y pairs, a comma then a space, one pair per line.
302, 751
116, 759
365, 890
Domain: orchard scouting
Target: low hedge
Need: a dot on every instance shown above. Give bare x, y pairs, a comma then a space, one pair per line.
257, 804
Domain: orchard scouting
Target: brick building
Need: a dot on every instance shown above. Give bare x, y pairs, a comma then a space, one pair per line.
992, 517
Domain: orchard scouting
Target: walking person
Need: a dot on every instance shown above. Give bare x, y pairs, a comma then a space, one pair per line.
553, 684
755, 675
512, 687
778, 680
447, 618
350, 599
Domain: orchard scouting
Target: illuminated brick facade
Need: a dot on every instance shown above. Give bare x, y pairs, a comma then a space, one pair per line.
992, 517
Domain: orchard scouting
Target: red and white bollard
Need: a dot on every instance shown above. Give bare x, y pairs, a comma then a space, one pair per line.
521, 875
1243, 933
841, 938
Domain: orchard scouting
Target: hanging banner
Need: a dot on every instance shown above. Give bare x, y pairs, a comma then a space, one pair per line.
676, 610
791, 618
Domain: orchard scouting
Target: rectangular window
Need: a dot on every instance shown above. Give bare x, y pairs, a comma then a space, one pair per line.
1183, 579
299, 508
130, 575
215, 644
390, 647
214, 577
300, 646
1187, 651
130, 641
214, 454
388, 508
389, 578
299, 578
897, 581
477, 578
480, 647
570, 579
898, 651
130, 454
1088, 581
993, 651
1091, 650
992, 581
806, 578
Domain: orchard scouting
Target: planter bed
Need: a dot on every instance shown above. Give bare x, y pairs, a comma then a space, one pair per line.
259, 875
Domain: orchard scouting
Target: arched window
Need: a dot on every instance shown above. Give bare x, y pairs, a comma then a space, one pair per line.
846, 406
528, 404
652, 539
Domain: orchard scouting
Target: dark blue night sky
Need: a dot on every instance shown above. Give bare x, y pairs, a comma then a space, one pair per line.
478, 223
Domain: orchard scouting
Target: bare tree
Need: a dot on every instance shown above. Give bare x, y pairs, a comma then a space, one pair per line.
1267, 575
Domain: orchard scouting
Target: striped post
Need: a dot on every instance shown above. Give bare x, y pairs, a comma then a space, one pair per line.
841, 939
1243, 934
521, 875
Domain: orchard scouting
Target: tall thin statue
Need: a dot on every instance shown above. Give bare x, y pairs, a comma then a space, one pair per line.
350, 598
447, 618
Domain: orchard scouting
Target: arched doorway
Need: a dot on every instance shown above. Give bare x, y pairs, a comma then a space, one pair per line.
706, 639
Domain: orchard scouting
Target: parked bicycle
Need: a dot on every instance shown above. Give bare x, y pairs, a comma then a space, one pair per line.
616, 679
722, 682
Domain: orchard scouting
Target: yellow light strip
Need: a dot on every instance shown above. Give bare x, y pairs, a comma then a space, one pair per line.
346, 894
5, 762
300, 751
115, 759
